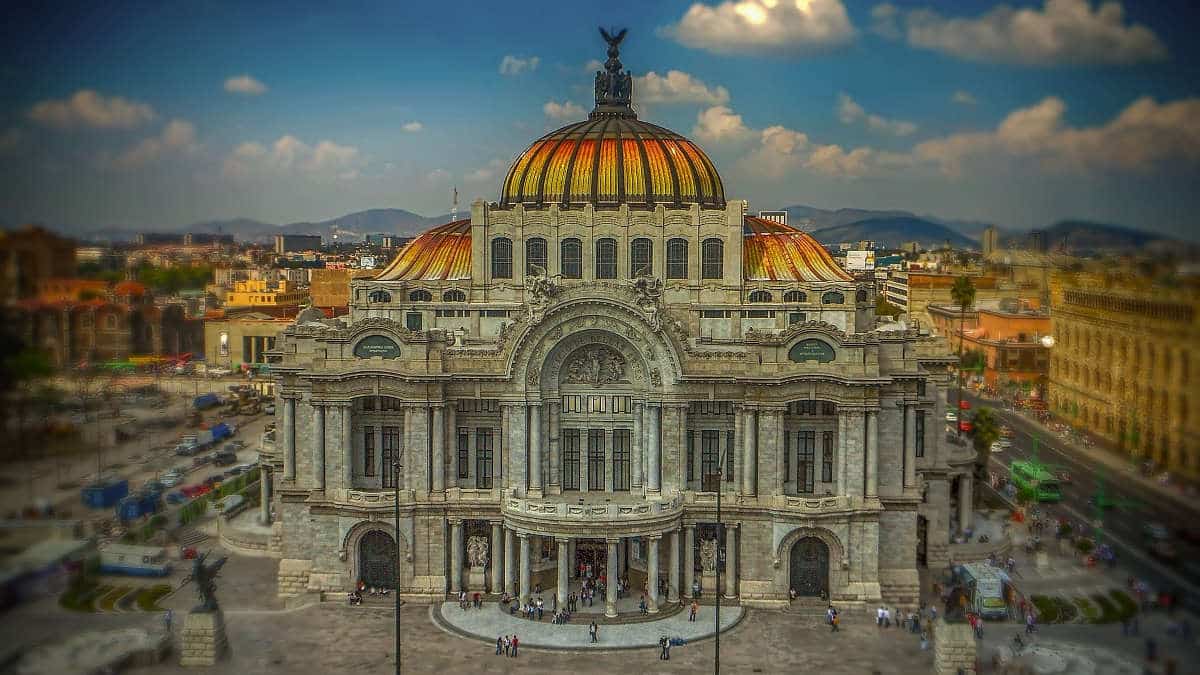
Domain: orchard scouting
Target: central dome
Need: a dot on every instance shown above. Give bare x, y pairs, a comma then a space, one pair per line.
613, 157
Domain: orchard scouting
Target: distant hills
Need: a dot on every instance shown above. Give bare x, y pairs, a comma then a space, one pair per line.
892, 232
1084, 236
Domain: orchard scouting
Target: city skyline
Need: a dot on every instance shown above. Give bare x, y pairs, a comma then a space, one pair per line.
1021, 117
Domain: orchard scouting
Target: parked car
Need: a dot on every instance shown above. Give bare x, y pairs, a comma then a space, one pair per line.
187, 553
966, 426
1005, 432
951, 416
201, 460
236, 445
235, 471
155, 485
269, 409
224, 458
213, 481
170, 480
176, 497
996, 448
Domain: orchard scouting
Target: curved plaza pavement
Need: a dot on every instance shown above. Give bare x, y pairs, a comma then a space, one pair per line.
489, 622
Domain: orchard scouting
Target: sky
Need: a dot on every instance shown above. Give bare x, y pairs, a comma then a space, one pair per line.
1021, 114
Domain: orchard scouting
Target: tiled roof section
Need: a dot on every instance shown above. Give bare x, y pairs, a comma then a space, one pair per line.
441, 254
775, 252
609, 160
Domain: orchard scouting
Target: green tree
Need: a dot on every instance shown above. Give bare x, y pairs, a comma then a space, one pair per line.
25, 371
963, 293
885, 308
986, 430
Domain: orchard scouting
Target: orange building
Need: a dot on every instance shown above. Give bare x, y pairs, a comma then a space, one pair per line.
1008, 334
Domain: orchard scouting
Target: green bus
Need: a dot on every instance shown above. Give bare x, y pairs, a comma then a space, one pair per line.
1037, 480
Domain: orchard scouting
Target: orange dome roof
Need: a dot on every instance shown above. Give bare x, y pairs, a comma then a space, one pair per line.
441, 254
613, 159
775, 252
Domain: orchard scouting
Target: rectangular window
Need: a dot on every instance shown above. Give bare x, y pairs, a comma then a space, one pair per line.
368, 403
412, 320
463, 449
827, 457
795, 317
805, 461
920, 432
483, 458
758, 314
729, 455
570, 459
368, 451
691, 456
828, 408
390, 455
714, 314
787, 456
621, 460
595, 459
571, 259
622, 404
710, 453
921, 388
802, 408
572, 403
494, 313
387, 403
597, 404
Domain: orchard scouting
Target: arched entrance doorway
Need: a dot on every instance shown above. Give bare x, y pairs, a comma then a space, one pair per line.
377, 560
810, 567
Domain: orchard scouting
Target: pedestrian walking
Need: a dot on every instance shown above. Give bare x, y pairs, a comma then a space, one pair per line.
168, 617
594, 631
695, 608
515, 643
507, 646
499, 644
837, 619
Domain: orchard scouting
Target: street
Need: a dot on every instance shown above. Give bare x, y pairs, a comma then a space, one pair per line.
1121, 525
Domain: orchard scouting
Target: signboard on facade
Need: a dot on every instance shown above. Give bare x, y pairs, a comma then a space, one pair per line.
367, 262
811, 350
377, 347
860, 260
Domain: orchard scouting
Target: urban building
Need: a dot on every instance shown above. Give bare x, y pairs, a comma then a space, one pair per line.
914, 290
574, 372
1122, 362
296, 243
1009, 335
236, 338
329, 289
29, 256
261, 294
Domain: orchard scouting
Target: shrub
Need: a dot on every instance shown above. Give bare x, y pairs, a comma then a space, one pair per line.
1126, 606
1108, 609
1047, 608
1089, 611
79, 594
1066, 611
147, 598
1085, 546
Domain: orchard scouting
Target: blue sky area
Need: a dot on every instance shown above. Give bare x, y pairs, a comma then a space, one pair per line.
162, 114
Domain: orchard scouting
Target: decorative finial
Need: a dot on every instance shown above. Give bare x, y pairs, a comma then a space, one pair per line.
614, 89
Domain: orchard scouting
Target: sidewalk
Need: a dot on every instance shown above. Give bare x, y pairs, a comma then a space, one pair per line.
1110, 460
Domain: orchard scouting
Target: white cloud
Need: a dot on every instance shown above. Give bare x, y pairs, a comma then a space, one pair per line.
782, 151
87, 108
676, 87
1062, 31
593, 65
850, 112
412, 127
964, 98
290, 155
515, 65
245, 84
764, 26
178, 137
1145, 136
719, 124
564, 110
487, 173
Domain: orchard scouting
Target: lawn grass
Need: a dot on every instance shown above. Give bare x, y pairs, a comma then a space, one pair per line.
1067, 612
79, 596
1047, 608
106, 603
1089, 611
147, 598
1126, 606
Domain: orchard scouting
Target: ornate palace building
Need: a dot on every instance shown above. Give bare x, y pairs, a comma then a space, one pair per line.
1124, 360
556, 380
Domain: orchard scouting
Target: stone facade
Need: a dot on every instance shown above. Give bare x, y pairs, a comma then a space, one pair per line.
954, 648
203, 641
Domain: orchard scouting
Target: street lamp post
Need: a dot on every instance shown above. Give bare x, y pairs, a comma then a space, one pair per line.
720, 539
396, 567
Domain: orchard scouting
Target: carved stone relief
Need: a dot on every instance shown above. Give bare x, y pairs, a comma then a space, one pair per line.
595, 365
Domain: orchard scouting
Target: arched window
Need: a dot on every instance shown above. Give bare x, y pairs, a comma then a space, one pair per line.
795, 296
712, 259
571, 257
833, 298
379, 296
420, 296
860, 296
535, 255
641, 257
454, 296
760, 296
677, 259
606, 259
501, 258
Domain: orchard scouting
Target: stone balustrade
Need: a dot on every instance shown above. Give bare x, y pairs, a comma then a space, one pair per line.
630, 516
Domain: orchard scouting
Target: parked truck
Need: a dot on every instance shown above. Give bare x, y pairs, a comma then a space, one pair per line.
104, 494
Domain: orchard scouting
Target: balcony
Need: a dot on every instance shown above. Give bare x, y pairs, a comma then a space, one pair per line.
594, 516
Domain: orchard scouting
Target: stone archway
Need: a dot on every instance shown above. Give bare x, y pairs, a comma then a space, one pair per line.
364, 544
808, 568
377, 563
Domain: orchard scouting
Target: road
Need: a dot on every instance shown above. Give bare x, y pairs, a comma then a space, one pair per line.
1121, 526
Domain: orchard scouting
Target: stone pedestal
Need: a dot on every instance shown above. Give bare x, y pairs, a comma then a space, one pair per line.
202, 641
953, 648
708, 583
476, 580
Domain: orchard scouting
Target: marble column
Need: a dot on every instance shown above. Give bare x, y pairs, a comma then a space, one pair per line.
564, 569
289, 439
965, 510
731, 571
319, 447
872, 443
348, 446
502, 449
535, 450
610, 591
437, 430
637, 459
523, 544
554, 479
680, 436
264, 495
689, 559
456, 552
910, 445
652, 573
510, 550
451, 432
655, 464
673, 573
750, 452
497, 557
